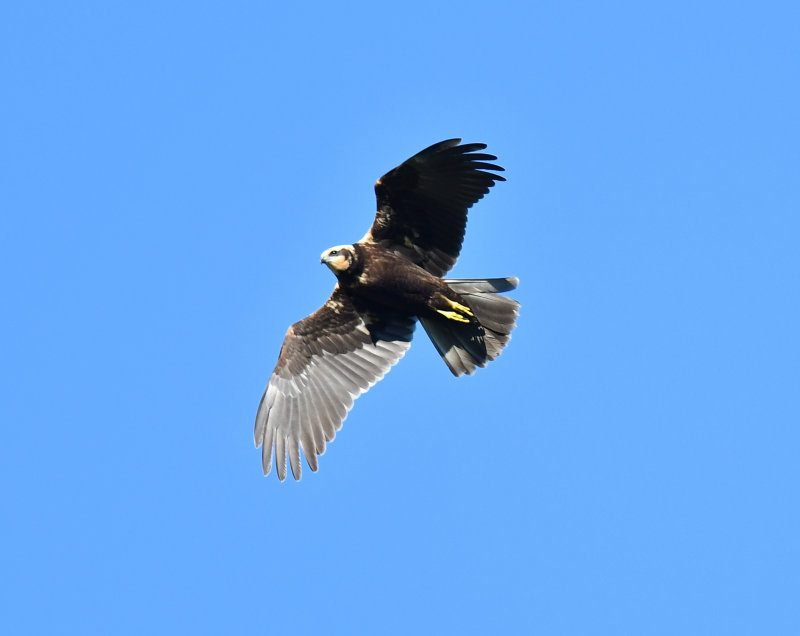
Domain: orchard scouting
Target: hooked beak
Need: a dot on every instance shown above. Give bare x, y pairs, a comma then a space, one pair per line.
327, 260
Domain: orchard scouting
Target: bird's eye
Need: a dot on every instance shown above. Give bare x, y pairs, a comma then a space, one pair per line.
334, 252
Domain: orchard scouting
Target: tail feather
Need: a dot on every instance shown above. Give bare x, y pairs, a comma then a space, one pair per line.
487, 285
493, 312
453, 342
466, 346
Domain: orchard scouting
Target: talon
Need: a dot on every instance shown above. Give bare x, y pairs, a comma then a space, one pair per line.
459, 307
452, 315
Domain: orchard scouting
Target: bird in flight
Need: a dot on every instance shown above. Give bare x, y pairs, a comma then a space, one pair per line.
385, 283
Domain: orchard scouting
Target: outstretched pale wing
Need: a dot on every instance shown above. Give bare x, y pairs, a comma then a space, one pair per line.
327, 360
423, 203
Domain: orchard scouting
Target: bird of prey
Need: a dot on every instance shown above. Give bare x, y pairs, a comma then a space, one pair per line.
385, 283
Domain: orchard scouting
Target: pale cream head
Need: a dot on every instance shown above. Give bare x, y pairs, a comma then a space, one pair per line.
338, 258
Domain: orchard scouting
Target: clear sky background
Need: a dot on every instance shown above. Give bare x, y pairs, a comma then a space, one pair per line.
170, 173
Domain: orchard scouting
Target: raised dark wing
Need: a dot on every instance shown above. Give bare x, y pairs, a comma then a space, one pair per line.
327, 360
423, 203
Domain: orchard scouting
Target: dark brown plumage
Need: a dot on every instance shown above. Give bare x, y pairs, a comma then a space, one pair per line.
386, 282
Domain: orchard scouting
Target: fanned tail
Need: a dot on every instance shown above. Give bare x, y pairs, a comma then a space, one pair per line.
464, 346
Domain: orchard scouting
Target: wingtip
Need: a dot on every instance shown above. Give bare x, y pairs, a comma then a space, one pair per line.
439, 147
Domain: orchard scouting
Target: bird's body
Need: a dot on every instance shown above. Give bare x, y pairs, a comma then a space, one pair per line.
386, 282
383, 279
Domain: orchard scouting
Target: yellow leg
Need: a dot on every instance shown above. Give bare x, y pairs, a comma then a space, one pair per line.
452, 315
459, 307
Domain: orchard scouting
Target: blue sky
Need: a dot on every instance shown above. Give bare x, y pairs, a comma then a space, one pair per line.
170, 175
